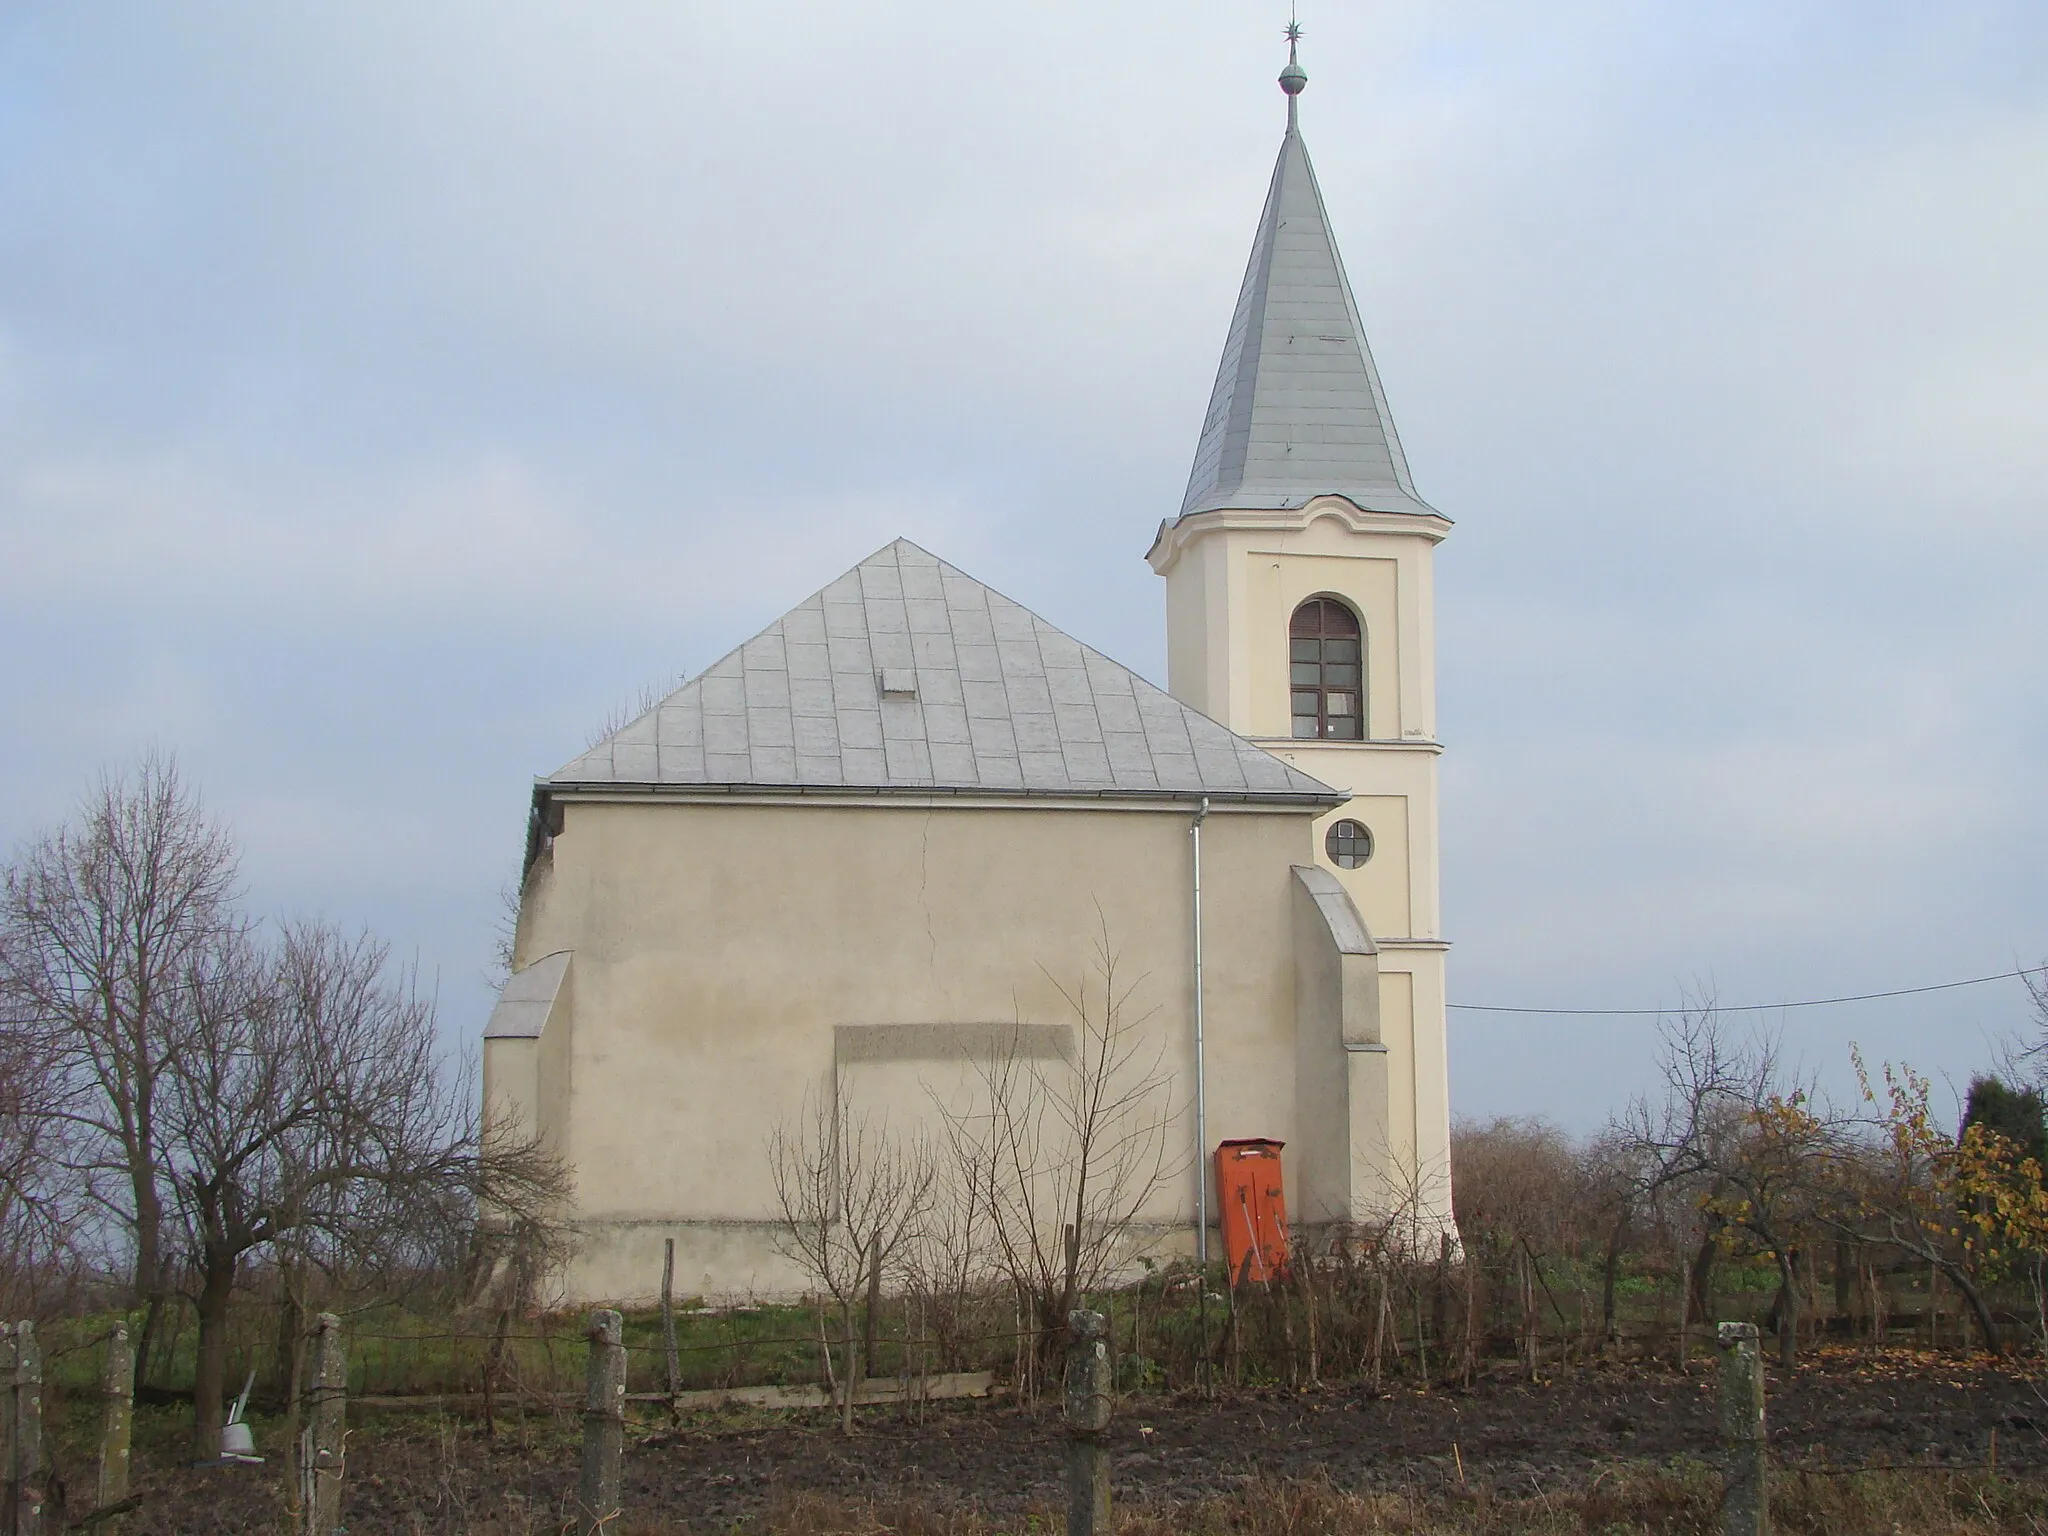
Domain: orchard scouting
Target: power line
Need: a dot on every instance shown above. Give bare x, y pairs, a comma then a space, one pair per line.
1811, 1002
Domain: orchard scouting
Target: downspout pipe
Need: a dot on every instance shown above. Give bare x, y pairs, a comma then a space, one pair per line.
1201, 1112
1201, 1062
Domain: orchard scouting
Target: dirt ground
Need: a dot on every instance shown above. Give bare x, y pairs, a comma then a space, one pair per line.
1506, 1434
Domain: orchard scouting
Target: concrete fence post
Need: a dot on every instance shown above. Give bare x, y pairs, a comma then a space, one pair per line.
24, 1512
604, 1426
6, 1429
118, 1422
327, 1434
1087, 1415
1746, 1506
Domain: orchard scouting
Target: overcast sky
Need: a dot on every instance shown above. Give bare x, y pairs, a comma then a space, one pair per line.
388, 392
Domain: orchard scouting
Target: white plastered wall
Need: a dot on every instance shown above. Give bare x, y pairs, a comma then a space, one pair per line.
729, 956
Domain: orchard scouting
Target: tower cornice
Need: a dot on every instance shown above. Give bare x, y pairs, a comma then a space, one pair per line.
1176, 534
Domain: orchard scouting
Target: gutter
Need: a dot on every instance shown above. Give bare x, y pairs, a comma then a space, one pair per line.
1327, 800
543, 822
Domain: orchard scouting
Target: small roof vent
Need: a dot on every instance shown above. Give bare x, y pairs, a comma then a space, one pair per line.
899, 682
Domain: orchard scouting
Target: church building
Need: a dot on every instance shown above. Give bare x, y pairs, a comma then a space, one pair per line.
873, 844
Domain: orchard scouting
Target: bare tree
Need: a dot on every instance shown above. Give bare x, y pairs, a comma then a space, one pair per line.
309, 1105
511, 1218
1069, 1153
1379, 1258
505, 932
1669, 1140
1771, 1191
1521, 1196
945, 1262
1961, 1205
645, 699
104, 922
852, 1195
163, 1066
1610, 1178
1751, 1148
35, 1204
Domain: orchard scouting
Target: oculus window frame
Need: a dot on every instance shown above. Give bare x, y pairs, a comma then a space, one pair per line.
1348, 843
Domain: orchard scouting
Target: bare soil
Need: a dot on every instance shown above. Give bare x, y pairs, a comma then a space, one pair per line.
1506, 1434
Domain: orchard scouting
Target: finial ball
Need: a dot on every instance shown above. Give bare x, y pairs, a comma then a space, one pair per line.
1293, 79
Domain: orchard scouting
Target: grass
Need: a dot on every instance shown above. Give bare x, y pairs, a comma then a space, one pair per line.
397, 1351
392, 1351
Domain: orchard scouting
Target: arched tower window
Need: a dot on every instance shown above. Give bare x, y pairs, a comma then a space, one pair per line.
1326, 671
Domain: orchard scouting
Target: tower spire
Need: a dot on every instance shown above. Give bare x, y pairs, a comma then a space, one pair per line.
1297, 410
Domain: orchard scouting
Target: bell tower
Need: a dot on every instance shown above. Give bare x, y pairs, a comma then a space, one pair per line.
1300, 613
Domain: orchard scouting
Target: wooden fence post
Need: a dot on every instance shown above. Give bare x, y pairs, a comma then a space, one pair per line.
604, 1425
1746, 1506
1087, 1413
119, 1419
668, 1321
25, 1423
327, 1435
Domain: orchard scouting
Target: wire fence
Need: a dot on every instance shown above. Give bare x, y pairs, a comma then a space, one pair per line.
1366, 1317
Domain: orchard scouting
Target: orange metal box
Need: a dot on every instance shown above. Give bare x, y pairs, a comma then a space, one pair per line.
1253, 1198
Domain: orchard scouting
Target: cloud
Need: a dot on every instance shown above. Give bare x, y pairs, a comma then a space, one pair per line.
488, 539
386, 393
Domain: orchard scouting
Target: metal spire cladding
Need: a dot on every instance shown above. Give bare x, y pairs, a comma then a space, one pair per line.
1298, 410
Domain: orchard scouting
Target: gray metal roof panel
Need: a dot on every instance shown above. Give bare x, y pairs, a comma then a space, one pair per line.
812, 769
993, 738
1036, 732
1004, 702
946, 723
527, 998
951, 761
811, 697
1028, 695
816, 736
864, 766
679, 728
1044, 770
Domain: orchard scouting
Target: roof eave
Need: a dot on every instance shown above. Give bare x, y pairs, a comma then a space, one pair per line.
1323, 799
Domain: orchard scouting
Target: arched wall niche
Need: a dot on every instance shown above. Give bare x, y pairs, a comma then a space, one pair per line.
1343, 517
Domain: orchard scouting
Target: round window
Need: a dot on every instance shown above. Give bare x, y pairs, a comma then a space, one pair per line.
1348, 843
